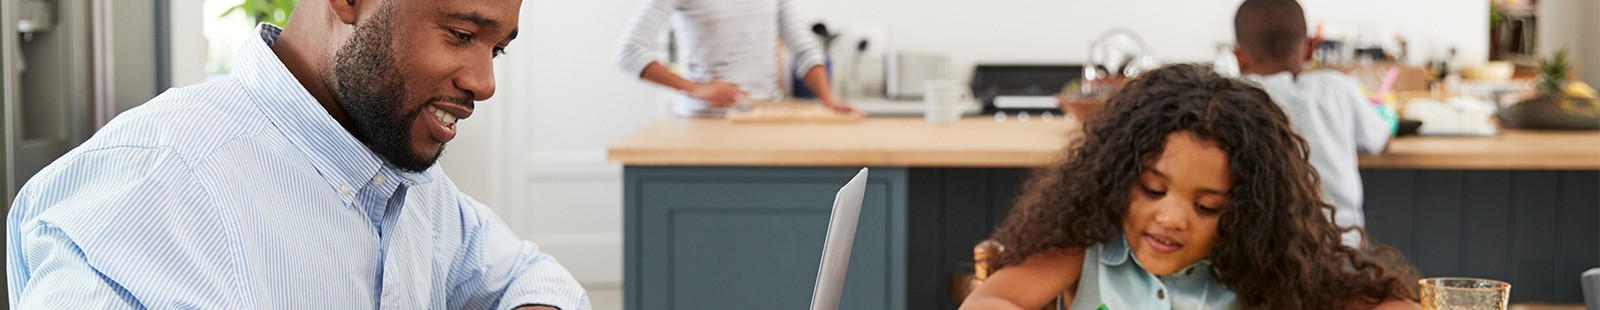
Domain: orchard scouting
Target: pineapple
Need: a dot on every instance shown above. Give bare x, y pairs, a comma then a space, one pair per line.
1563, 103
1554, 79
1553, 73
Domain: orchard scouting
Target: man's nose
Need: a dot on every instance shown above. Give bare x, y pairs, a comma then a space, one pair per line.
478, 78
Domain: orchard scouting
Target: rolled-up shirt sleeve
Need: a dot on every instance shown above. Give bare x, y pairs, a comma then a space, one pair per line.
637, 48
803, 46
512, 272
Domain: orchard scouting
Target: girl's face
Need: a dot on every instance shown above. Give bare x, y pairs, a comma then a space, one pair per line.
1175, 203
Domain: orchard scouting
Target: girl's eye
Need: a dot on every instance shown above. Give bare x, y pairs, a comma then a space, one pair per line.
1151, 192
1207, 210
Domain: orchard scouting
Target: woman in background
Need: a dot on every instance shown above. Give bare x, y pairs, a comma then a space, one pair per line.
732, 48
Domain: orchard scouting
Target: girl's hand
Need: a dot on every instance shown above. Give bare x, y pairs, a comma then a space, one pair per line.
1031, 284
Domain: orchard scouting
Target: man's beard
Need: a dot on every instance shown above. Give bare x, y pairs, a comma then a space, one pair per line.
372, 94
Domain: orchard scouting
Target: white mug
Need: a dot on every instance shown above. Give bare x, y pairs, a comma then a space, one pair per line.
942, 100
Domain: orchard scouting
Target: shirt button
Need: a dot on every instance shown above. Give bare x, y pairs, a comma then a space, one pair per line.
344, 189
378, 179
1161, 294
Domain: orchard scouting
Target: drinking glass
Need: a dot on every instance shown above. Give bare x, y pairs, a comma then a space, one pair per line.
1464, 294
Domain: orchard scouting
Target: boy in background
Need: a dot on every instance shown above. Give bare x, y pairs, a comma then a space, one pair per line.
1324, 106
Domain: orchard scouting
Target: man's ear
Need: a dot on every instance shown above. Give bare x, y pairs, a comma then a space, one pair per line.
344, 10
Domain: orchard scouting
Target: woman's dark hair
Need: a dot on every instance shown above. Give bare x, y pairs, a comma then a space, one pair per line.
1277, 249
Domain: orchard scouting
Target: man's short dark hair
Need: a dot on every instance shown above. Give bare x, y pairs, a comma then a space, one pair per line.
1270, 29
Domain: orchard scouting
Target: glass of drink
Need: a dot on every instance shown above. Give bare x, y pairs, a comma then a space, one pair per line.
1464, 294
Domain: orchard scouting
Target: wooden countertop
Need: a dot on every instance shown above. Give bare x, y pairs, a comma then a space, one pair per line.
1511, 150
982, 142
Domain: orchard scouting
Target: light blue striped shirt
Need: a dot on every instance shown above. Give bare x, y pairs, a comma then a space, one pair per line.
243, 193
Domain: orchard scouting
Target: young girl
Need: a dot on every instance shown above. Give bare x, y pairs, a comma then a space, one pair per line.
1190, 191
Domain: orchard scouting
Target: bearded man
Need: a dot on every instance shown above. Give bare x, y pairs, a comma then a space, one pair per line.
303, 180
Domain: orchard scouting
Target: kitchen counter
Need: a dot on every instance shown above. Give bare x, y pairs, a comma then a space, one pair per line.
732, 216
983, 142
1511, 150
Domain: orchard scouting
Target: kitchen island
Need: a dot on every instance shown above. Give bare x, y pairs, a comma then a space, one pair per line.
732, 216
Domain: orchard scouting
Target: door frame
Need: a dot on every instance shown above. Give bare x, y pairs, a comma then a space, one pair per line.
7, 110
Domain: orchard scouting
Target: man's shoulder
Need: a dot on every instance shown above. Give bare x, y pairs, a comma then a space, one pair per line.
194, 112
153, 145
190, 121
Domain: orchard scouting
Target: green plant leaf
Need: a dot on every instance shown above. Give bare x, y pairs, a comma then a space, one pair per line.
235, 8
275, 12
286, 6
1553, 73
262, 5
281, 15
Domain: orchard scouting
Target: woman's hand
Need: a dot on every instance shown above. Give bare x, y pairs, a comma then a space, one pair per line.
842, 108
718, 93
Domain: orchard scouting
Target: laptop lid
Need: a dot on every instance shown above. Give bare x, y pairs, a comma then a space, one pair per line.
841, 237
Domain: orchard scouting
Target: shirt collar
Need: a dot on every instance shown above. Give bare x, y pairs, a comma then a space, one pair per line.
1280, 75
1116, 253
343, 161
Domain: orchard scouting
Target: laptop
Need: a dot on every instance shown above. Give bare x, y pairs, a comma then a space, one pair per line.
836, 250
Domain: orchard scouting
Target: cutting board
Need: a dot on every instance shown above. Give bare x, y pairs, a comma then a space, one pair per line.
790, 112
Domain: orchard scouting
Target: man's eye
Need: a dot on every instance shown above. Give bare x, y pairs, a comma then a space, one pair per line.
462, 36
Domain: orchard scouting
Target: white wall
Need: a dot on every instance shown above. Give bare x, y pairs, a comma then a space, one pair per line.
1060, 30
1591, 44
1571, 24
536, 150
188, 46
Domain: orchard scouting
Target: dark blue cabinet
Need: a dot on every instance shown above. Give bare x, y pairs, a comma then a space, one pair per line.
751, 238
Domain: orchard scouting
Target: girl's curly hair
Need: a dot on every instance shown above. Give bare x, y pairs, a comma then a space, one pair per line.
1278, 249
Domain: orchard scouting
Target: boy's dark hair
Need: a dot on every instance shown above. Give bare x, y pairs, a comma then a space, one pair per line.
1277, 249
1270, 30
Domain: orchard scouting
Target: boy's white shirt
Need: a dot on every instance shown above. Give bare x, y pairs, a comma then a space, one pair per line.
1336, 119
